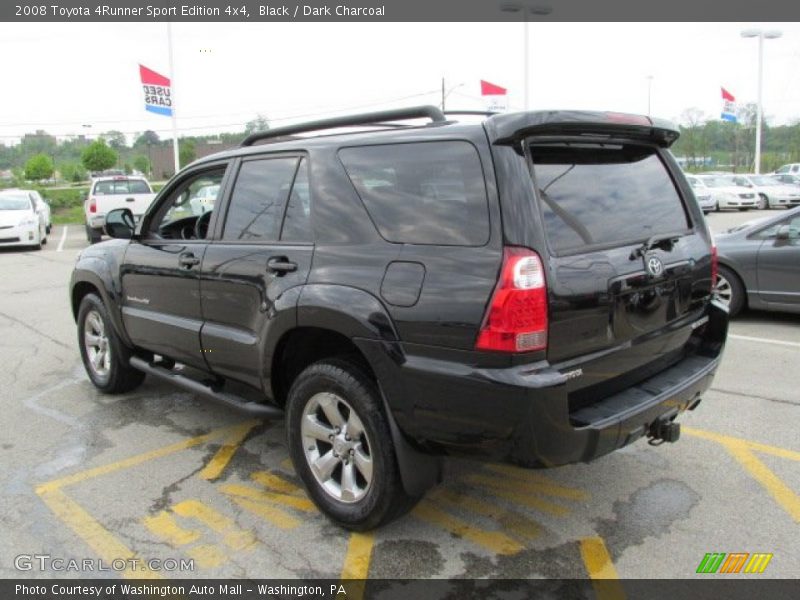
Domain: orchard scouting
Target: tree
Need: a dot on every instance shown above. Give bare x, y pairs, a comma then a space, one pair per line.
98, 157
148, 138
187, 153
260, 123
73, 172
141, 164
38, 167
115, 139
692, 122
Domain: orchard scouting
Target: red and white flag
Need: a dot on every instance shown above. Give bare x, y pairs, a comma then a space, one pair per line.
728, 106
495, 97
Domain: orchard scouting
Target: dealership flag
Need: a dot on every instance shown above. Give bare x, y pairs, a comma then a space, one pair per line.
157, 92
494, 96
728, 106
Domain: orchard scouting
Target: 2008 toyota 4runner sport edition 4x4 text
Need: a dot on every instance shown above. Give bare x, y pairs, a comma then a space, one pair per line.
534, 288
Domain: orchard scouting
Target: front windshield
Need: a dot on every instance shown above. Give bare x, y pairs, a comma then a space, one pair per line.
718, 181
764, 180
14, 202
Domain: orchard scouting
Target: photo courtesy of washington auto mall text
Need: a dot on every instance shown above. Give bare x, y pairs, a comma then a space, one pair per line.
382, 299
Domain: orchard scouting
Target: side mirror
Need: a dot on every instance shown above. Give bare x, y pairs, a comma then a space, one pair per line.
120, 224
785, 233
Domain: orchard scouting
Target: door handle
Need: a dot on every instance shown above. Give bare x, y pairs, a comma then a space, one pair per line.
280, 265
188, 260
130, 199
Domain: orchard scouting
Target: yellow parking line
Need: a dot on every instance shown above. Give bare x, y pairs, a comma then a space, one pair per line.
727, 439
495, 541
140, 458
275, 482
269, 513
600, 568
356, 563
97, 537
510, 520
165, 526
742, 450
220, 460
537, 482
510, 491
249, 493
232, 535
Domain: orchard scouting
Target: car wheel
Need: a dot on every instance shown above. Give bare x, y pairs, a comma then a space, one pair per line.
730, 290
716, 206
763, 202
341, 446
93, 235
48, 228
105, 357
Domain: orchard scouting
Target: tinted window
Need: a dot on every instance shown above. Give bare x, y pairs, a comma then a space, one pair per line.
425, 193
122, 186
297, 222
258, 198
594, 194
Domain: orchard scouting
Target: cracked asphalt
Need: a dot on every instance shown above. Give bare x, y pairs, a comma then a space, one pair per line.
161, 474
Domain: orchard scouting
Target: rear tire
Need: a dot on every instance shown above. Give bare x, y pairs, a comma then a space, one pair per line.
730, 290
763, 202
93, 235
341, 446
105, 357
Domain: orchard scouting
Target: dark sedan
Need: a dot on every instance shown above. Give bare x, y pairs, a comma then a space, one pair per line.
759, 264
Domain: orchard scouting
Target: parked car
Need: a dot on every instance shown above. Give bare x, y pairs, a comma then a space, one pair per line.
703, 194
203, 201
759, 264
792, 169
771, 192
41, 206
22, 223
788, 179
108, 193
535, 288
728, 194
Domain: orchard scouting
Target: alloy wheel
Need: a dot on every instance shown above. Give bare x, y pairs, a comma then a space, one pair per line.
95, 340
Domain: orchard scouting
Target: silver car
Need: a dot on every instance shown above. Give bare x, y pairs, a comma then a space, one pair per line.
759, 264
703, 194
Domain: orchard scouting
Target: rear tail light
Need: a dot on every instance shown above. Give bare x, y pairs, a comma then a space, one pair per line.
516, 320
714, 266
92, 205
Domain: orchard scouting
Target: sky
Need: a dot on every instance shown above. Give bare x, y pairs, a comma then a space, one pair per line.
62, 76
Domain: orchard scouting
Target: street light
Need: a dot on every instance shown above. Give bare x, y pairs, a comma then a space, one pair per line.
445, 94
525, 10
649, 92
761, 35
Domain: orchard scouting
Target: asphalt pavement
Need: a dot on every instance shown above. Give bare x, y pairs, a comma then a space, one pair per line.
161, 475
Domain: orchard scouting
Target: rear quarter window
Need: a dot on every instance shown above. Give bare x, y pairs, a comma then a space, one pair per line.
122, 186
604, 195
422, 193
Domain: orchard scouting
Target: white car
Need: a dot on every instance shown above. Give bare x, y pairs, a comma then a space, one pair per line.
108, 193
703, 194
20, 223
771, 192
727, 194
42, 207
203, 201
792, 169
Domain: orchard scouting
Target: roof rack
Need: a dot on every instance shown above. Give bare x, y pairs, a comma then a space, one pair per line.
479, 113
370, 119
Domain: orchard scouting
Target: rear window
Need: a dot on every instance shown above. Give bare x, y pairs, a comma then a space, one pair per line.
604, 195
422, 193
122, 186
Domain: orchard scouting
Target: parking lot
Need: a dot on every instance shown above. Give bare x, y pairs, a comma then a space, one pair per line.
161, 474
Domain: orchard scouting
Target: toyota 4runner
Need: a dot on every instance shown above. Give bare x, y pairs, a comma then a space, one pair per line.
534, 288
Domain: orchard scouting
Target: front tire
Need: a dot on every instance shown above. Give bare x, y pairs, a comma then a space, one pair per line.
763, 202
105, 357
93, 235
341, 446
730, 290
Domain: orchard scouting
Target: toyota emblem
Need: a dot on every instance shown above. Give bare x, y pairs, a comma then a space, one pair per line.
654, 266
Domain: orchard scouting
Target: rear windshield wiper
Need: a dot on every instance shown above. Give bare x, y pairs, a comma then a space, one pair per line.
664, 241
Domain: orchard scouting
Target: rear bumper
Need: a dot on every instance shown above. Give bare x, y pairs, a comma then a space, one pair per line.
522, 414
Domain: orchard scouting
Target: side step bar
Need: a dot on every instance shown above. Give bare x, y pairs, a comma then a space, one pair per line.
196, 387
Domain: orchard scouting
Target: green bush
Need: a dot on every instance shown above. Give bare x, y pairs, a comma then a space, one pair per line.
64, 198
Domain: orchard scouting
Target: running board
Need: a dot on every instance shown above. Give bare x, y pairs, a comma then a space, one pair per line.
196, 387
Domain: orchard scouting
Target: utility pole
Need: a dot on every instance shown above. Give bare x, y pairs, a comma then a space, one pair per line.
175, 149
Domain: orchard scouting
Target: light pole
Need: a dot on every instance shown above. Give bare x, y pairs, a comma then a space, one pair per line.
649, 92
525, 10
445, 94
761, 35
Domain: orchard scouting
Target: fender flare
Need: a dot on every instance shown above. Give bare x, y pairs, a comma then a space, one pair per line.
96, 272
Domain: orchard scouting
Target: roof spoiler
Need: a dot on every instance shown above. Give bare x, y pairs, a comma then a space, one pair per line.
373, 119
508, 128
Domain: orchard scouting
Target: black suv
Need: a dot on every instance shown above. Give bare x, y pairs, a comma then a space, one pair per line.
533, 288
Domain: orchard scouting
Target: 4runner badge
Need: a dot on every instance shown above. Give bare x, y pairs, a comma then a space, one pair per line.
654, 265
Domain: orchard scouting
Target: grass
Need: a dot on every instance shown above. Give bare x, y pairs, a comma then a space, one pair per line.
68, 216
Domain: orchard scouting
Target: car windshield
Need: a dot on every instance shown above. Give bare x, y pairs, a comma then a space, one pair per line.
14, 202
763, 180
718, 181
747, 225
122, 186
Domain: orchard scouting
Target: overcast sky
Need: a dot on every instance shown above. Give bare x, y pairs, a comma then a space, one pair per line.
60, 76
